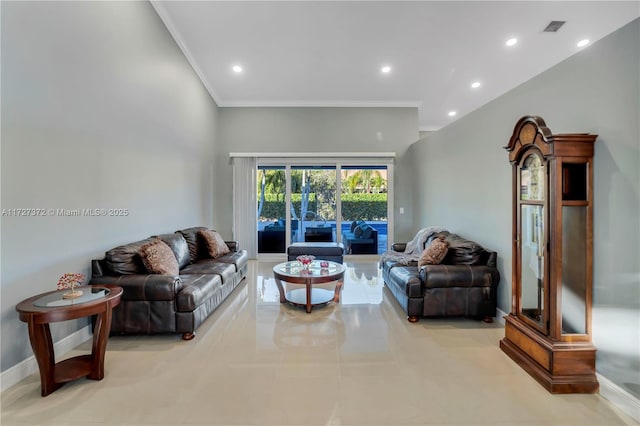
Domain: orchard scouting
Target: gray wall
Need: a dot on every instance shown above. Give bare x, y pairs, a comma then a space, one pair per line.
100, 109
317, 130
466, 181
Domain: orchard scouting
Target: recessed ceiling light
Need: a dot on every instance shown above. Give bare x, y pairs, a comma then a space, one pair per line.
583, 43
475, 84
237, 68
452, 113
386, 69
511, 41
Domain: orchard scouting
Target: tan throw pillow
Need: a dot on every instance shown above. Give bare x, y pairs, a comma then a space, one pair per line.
214, 243
435, 253
159, 259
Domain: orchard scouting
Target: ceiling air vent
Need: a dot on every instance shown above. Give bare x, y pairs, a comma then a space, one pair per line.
554, 26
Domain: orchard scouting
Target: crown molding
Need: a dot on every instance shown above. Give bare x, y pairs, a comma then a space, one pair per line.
320, 104
168, 23
171, 27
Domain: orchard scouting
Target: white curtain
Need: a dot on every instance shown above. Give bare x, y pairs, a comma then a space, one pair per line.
244, 204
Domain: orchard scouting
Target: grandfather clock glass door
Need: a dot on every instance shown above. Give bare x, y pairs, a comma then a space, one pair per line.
533, 303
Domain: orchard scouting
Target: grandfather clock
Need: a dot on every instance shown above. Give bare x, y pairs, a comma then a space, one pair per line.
548, 331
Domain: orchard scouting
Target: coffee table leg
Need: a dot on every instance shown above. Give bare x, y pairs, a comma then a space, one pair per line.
309, 306
280, 290
42, 344
336, 296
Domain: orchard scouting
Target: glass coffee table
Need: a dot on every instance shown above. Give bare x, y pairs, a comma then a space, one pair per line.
293, 272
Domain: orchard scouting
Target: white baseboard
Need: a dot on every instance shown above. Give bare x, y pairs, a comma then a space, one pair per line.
623, 400
500, 316
24, 369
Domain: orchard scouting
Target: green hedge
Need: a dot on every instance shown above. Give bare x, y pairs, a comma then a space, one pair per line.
354, 206
273, 209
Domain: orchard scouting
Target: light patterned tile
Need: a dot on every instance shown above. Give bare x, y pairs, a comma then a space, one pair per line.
258, 362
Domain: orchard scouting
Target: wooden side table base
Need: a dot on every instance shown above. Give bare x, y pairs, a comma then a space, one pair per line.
52, 375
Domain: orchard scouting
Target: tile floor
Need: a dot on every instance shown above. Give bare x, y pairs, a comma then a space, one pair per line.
257, 362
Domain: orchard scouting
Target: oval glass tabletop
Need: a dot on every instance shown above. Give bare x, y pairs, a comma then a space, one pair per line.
316, 269
54, 299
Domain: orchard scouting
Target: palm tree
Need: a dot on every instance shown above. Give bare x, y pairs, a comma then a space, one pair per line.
350, 183
369, 179
275, 182
378, 182
262, 186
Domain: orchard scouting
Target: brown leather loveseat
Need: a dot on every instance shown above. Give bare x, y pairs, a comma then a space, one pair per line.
463, 284
155, 303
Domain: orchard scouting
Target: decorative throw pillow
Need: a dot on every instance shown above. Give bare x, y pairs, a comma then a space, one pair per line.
435, 253
355, 224
159, 259
196, 248
214, 243
367, 231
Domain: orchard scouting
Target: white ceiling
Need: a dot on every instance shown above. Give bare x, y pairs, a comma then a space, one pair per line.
329, 53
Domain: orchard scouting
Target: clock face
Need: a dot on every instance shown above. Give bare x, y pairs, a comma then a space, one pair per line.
532, 179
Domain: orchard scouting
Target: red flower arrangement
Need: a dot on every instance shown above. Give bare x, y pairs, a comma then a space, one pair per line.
70, 281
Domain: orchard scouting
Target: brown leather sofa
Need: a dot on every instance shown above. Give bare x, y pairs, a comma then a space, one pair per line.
169, 304
463, 284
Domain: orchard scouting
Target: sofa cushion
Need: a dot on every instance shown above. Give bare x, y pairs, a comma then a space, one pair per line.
197, 289
194, 243
355, 224
435, 252
462, 251
238, 258
158, 258
125, 259
214, 243
211, 266
178, 245
367, 230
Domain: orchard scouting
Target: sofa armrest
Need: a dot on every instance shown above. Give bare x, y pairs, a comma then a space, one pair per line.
143, 287
98, 267
398, 247
234, 246
440, 276
492, 258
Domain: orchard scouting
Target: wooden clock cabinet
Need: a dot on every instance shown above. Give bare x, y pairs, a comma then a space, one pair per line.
548, 331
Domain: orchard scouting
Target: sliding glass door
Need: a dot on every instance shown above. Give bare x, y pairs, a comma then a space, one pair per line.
339, 202
313, 197
271, 195
364, 209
